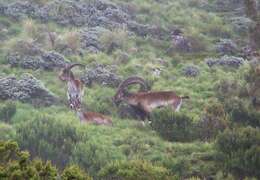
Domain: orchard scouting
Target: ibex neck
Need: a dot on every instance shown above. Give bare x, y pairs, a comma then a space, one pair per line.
71, 76
80, 115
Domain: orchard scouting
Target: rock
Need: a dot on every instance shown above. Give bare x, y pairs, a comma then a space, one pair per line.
45, 61
66, 12
147, 30
156, 71
191, 71
102, 75
90, 39
226, 47
248, 53
19, 9
241, 24
229, 5
180, 43
26, 89
101, 13
31, 56
122, 57
226, 61
51, 60
27, 48
235, 6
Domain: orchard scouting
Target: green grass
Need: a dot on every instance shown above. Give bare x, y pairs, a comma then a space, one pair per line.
128, 139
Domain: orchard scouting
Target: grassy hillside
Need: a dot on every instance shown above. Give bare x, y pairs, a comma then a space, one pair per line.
189, 148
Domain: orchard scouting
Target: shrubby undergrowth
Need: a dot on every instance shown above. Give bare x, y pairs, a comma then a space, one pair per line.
168, 43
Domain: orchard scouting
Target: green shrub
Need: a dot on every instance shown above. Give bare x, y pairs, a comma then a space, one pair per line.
135, 169
41, 2
48, 138
226, 88
238, 151
70, 39
214, 120
75, 173
16, 165
253, 81
114, 39
7, 132
241, 113
7, 111
173, 126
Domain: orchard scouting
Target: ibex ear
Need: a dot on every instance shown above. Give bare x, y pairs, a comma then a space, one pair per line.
185, 97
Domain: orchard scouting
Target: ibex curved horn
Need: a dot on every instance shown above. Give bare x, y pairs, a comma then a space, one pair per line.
69, 67
133, 80
129, 81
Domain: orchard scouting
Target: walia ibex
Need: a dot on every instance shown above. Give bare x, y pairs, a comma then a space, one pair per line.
147, 101
93, 117
75, 89
75, 94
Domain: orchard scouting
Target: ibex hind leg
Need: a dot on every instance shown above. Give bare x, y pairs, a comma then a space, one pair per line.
178, 106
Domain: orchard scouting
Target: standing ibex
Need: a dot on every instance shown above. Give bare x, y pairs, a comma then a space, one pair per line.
75, 90
75, 93
147, 101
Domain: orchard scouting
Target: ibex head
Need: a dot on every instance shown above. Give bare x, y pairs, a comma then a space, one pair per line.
122, 88
66, 73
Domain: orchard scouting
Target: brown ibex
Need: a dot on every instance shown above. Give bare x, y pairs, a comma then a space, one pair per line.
93, 117
75, 93
75, 90
149, 100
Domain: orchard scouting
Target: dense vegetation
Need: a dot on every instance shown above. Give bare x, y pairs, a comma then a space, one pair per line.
214, 136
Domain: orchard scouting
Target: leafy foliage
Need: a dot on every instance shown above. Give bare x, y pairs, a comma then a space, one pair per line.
240, 112
214, 120
7, 132
239, 151
48, 138
122, 151
7, 111
136, 169
16, 164
173, 126
74, 172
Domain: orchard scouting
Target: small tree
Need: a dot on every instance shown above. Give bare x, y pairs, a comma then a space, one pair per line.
16, 165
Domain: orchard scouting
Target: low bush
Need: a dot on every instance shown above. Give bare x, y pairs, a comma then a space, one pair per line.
69, 40
242, 113
48, 138
16, 164
114, 39
7, 111
74, 172
214, 120
7, 132
173, 126
226, 88
238, 151
135, 169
